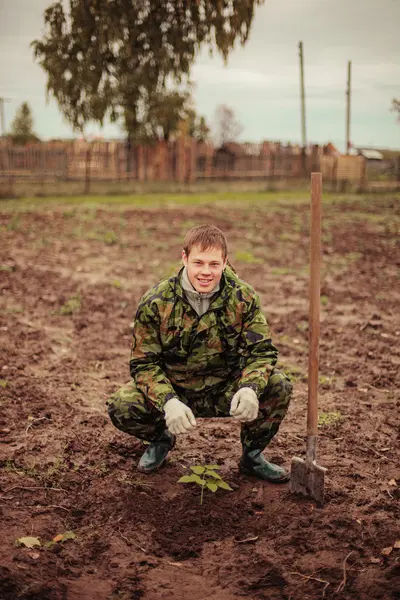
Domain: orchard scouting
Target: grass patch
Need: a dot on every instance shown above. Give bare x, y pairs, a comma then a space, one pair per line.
289, 237
11, 310
51, 476
71, 306
107, 236
281, 271
294, 373
13, 224
247, 257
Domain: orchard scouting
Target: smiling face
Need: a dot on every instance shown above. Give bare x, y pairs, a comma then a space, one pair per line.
204, 268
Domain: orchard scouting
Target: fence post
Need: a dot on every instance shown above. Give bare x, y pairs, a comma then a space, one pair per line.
140, 163
363, 175
180, 160
397, 168
192, 161
87, 170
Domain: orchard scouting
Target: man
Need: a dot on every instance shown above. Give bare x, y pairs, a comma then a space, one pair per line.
202, 347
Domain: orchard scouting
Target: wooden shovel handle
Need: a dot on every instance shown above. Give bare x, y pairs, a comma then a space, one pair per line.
315, 282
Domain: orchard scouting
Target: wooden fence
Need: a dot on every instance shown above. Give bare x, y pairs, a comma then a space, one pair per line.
181, 161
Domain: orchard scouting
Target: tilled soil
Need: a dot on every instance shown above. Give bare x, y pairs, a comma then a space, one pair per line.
70, 282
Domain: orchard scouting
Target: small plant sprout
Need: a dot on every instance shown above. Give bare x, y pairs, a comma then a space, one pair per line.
206, 476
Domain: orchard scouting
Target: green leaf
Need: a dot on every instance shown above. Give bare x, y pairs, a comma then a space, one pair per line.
213, 467
212, 474
191, 479
211, 485
200, 481
28, 542
198, 470
68, 535
3, 383
225, 486
188, 479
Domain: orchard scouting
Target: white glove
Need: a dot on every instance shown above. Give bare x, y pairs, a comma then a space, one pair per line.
178, 417
244, 405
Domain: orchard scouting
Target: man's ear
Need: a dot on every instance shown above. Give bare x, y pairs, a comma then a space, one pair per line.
184, 258
226, 262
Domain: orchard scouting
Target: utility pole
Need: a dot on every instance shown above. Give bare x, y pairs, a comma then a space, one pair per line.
303, 99
2, 117
348, 107
303, 106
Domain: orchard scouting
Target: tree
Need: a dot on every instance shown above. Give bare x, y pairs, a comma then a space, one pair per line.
396, 108
159, 116
227, 127
22, 126
196, 127
106, 59
166, 114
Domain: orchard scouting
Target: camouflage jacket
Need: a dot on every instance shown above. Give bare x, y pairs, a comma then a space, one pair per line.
174, 350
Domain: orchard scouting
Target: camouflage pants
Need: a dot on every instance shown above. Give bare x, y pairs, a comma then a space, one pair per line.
132, 413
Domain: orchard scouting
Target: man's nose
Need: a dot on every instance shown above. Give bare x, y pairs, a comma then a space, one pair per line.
205, 270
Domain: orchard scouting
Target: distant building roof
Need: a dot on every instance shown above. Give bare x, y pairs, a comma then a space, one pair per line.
233, 148
370, 154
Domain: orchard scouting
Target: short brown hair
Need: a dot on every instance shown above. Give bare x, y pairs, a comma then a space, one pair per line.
206, 237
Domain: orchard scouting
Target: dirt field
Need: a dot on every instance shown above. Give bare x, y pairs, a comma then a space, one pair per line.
71, 277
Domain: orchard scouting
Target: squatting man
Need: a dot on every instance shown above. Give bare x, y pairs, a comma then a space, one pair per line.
202, 348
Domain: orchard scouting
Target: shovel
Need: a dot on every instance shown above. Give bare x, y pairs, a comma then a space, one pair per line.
307, 477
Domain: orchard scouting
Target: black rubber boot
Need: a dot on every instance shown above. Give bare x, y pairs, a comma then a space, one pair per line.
156, 453
253, 462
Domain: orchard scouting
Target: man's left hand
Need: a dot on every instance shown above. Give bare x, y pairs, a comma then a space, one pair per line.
244, 405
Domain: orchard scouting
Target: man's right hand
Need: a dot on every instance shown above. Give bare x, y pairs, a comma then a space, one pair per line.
178, 417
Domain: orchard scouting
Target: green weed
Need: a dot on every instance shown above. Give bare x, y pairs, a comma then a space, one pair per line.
3, 383
13, 224
110, 237
280, 271
247, 257
324, 380
302, 326
324, 300
294, 373
289, 237
329, 418
71, 306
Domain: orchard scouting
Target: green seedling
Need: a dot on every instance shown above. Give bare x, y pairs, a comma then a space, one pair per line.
206, 477
329, 418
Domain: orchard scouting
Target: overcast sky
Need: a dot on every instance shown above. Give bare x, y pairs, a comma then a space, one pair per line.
261, 80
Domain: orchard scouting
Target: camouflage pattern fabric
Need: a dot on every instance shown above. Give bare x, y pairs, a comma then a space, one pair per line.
175, 349
133, 413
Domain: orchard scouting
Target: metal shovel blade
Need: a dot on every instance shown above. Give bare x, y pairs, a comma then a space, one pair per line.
308, 478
